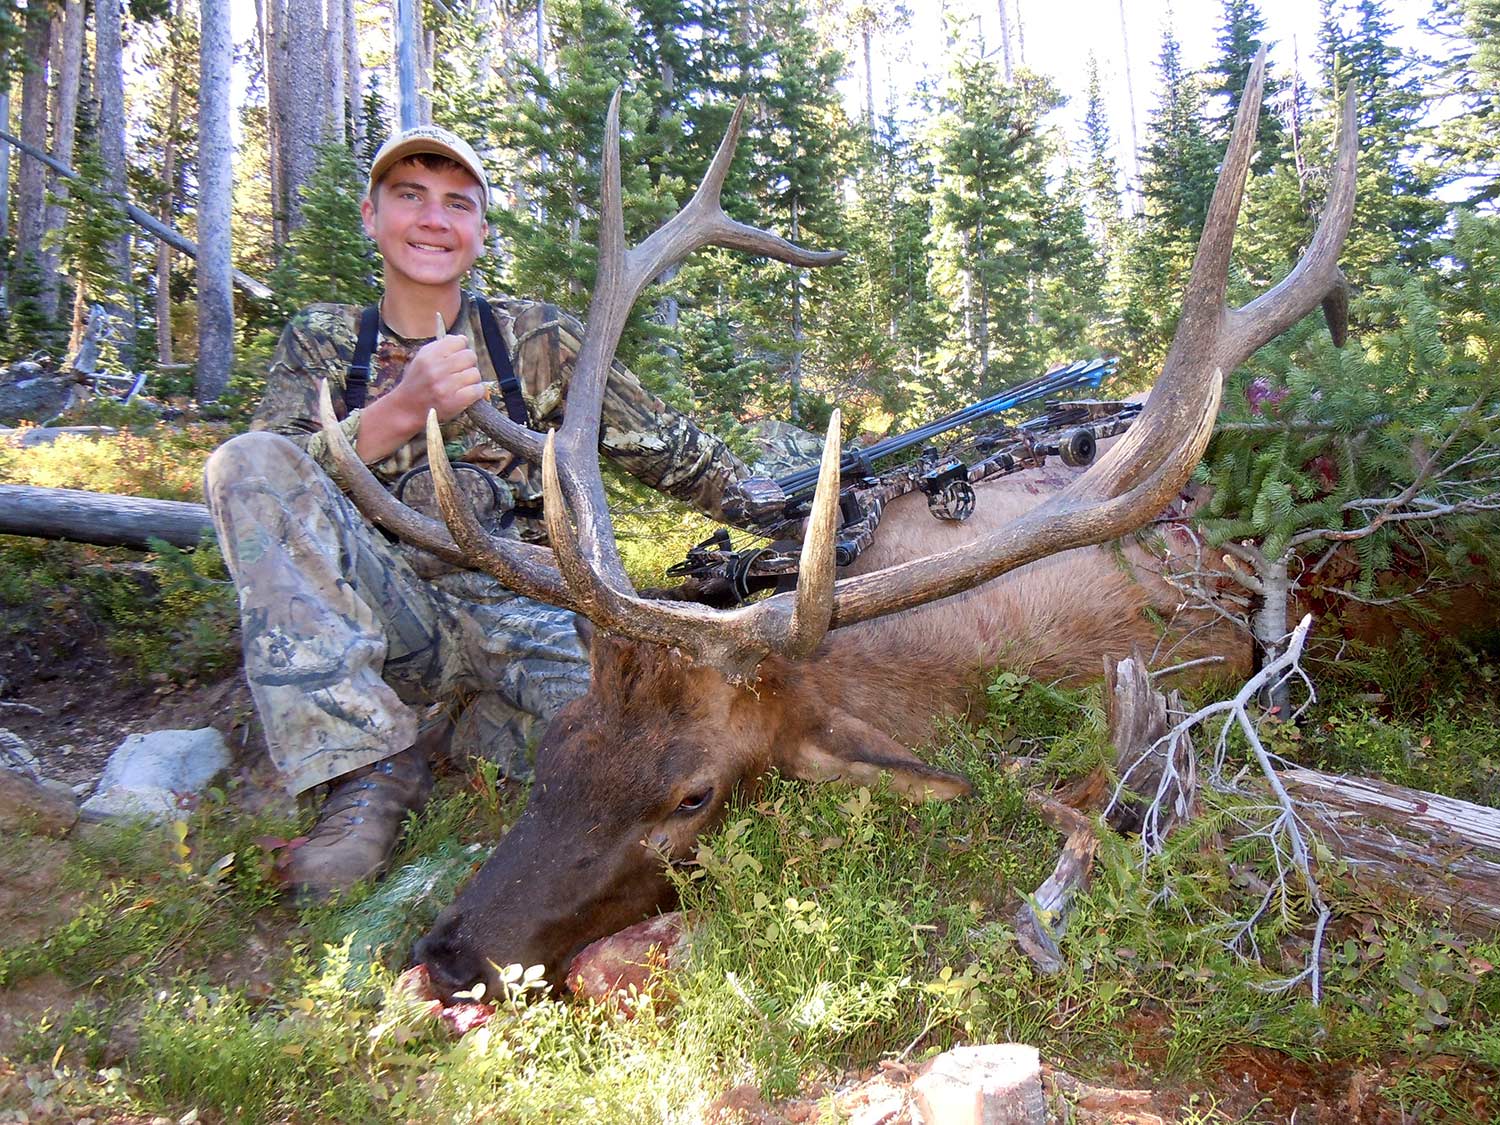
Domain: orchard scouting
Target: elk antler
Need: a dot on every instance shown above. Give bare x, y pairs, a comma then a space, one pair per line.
1144, 471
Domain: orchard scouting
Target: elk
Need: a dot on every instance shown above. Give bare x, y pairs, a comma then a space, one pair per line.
837, 679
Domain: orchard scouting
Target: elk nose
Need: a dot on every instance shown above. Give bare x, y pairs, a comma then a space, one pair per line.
450, 967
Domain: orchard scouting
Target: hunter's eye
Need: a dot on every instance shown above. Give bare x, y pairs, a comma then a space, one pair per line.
695, 802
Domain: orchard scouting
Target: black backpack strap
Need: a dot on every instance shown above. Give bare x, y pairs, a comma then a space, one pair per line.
505, 372
357, 382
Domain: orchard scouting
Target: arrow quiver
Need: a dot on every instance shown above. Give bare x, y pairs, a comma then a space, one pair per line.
715, 572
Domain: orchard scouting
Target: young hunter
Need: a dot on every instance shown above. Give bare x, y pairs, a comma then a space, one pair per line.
347, 635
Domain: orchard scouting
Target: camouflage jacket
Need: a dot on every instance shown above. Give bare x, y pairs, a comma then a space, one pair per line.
640, 433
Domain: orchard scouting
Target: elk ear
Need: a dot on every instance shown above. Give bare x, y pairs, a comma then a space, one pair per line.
846, 748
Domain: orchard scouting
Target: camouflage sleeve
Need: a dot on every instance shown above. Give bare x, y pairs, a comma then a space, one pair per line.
654, 443
318, 342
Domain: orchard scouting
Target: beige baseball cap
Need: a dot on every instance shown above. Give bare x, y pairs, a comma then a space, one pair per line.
432, 139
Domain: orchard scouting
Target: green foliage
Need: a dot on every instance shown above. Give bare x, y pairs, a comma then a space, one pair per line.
1314, 438
329, 258
93, 227
186, 628
28, 328
1011, 261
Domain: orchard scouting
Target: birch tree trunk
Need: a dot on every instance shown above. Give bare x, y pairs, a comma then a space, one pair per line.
215, 189
31, 187
109, 78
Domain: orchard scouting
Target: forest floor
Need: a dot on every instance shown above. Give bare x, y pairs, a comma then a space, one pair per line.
75, 991
841, 939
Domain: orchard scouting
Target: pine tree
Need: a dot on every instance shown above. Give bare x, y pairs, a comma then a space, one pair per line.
1315, 445
89, 238
1101, 175
1396, 214
1177, 177
802, 144
1466, 140
1240, 38
329, 258
993, 248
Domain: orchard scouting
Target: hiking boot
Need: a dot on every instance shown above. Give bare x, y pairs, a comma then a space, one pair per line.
358, 826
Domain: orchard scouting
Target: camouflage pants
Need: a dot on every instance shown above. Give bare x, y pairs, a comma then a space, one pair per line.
343, 639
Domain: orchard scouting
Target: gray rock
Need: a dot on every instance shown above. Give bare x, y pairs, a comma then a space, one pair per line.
148, 773
996, 1084
37, 805
37, 399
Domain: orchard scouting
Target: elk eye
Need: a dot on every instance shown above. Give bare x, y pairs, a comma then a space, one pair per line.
695, 802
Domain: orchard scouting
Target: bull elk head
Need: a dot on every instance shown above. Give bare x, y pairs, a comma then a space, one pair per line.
693, 700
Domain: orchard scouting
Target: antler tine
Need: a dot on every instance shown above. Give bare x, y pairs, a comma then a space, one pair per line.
504, 559
510, 436
1144, 470
371, 498
813, 608
1316, 276
733, 641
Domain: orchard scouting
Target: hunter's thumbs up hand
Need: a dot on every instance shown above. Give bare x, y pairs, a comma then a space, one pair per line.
442, 376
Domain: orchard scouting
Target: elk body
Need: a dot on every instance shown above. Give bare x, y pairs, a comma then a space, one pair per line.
838, 679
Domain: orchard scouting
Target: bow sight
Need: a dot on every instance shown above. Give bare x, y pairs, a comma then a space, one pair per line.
715, 572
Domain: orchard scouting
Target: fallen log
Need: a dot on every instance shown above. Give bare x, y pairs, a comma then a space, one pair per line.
100, 518
154, 226
1439, 851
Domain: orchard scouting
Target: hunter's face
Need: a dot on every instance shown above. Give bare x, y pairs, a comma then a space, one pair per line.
427, 222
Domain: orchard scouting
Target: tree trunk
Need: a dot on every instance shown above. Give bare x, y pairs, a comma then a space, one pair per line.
271, 21
169, 180
795, 375
1005, 39
101, 518
65, 114
141, 219
31, 188
109, 79
215, 191
1135, 136
4, 202
1442, 852
1439, 851
305, 115
333, 70
354, 80
867, 32
1268, 624
406, 32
